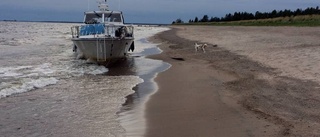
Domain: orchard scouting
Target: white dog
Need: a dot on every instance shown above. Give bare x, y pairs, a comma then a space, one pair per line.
200, 46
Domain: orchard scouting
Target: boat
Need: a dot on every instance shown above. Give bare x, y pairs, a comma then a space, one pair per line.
103, 36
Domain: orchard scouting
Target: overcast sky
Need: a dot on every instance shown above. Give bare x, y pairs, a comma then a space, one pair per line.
142, 11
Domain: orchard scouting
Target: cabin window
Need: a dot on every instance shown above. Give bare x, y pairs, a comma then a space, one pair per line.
93, 18
115, 17
96, 18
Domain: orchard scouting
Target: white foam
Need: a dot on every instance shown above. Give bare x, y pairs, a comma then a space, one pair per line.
12, 71
44, 69
26, 71
27, 85
25, 78
81, 67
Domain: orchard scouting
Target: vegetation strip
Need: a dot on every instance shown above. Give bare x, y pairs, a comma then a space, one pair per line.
299, 17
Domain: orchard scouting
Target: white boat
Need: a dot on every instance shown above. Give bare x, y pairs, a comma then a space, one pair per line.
103, 36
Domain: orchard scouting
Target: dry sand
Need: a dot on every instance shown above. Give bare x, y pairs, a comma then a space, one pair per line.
259, 81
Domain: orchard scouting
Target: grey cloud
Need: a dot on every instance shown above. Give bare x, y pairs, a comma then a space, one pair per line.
155, 10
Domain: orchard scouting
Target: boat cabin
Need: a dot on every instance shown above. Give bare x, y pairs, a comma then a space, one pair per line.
103, 23
104, 17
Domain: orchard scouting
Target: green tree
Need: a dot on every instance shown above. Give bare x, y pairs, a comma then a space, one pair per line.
258, 15
205, 18
179, 21
215, 19
297, 12
196, 19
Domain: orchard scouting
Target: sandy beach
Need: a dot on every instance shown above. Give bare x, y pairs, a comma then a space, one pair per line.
257, 81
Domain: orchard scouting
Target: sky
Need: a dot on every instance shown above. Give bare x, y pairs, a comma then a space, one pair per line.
142, 11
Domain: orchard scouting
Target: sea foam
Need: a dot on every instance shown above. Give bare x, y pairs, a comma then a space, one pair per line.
21, 79
27, 85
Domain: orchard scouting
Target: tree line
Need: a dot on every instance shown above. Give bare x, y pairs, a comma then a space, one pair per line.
237, 16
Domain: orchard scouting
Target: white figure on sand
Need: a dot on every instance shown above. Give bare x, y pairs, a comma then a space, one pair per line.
200, 46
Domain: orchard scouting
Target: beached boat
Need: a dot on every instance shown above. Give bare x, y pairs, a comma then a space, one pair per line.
103, 36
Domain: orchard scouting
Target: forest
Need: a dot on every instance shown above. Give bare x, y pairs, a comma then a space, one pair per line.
239, 16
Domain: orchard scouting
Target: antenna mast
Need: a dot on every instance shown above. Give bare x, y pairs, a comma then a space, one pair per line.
103, 6
119, 5
88, 5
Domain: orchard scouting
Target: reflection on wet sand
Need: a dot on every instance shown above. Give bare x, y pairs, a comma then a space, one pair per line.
131, 112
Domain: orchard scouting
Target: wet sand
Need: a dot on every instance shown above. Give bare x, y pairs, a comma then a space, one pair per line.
258, 81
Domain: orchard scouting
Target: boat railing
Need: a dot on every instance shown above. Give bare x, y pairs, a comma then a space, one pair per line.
102, 30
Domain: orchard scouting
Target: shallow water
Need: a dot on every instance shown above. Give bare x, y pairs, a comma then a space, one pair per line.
45, 91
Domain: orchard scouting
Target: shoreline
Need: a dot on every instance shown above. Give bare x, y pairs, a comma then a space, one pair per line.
222, 93
131, 114
81, 103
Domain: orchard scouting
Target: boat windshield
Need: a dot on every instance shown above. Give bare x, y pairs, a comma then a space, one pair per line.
94, 18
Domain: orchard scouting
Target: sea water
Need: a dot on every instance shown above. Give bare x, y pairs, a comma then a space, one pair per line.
46, 91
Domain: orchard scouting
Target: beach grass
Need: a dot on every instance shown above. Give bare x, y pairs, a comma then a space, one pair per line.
303, 20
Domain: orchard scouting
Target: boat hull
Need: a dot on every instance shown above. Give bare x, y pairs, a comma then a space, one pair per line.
103, 49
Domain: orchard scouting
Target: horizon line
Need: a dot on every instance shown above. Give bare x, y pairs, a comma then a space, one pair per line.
135, 23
